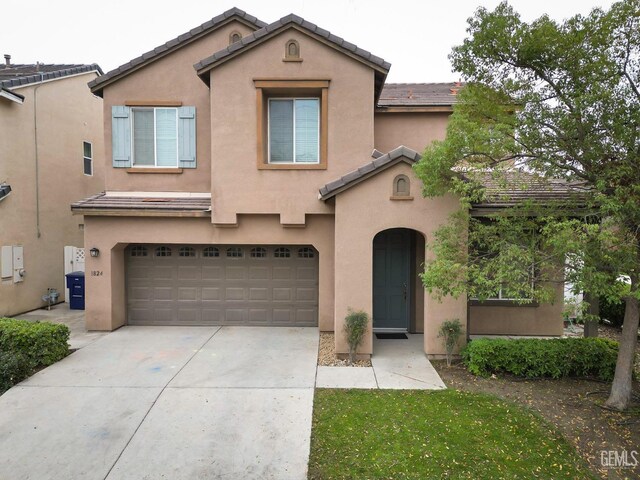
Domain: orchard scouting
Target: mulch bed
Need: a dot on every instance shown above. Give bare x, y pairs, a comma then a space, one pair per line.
574, 406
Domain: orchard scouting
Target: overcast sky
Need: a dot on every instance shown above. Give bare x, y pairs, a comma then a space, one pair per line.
415, 36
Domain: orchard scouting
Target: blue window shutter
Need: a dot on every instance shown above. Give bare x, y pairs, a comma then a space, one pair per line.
121, 135
187, 137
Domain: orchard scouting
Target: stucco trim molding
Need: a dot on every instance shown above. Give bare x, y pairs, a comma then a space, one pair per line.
380, 164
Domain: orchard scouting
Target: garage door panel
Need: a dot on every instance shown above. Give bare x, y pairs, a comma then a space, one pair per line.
306, 295
234, 294
187, 293
258, 294
188, 315
163, 293
235, 273
282, 295
258, 316
259, 273
189, 272
238, 316
212, 273
306, 273
260, 287
282, 273
210, 294
164, 272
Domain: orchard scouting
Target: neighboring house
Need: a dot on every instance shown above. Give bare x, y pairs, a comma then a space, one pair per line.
51, 147
261, 175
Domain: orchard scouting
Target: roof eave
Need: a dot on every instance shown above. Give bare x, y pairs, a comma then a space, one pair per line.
98, 85
380, 164
12, 96
205, 66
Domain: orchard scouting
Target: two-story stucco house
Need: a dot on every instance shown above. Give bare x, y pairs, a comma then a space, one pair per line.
261, 175
50, 155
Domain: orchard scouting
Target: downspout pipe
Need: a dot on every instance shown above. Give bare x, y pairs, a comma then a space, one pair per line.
37, 159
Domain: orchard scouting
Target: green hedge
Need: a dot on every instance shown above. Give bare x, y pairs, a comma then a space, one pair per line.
534, 357
26, 346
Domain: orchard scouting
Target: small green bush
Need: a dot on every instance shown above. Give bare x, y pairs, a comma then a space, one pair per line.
355, 326
533, 357
450, 331
14, 367
42, 343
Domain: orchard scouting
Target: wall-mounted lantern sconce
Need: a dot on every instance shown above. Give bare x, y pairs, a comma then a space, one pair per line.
94, 252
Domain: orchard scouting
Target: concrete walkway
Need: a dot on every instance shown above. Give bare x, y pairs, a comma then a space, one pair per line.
74, 319
167, 402
396, 364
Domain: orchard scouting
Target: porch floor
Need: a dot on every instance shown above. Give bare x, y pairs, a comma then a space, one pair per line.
396, 365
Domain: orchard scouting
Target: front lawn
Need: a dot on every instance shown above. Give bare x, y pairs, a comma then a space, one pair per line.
398, 434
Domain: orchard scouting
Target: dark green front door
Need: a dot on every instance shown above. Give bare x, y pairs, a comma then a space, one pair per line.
391, 261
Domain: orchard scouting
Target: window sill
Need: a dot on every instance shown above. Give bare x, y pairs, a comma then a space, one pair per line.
292, 166
292, 60
400, 197
502, 303
154, 170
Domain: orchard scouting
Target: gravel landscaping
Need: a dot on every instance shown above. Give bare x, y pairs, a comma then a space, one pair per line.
327, 353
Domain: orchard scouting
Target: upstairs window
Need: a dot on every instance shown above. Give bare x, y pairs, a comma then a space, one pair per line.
155, 137
149, 136
294, 130
87, 152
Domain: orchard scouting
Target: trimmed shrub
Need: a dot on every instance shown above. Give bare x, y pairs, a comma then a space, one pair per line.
14, 367
41, 343
450, 331
355, 326
534, 357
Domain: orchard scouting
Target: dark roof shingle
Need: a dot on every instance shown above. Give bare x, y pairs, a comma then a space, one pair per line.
105, 202
203, 65
24, 74
98, 84
381, 163
419, 94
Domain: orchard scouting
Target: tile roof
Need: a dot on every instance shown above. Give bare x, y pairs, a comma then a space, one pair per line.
419, 94
504, 191
269, 30
507, 190
381, 163
12, 76
98, 84
158, 205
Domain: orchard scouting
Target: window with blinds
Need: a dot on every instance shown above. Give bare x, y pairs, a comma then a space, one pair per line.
155, 137
294, 130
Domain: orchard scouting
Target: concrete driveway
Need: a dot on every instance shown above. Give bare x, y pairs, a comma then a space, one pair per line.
167, 402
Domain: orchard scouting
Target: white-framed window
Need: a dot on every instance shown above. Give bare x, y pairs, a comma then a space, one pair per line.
294, 130
87, 156
154, 136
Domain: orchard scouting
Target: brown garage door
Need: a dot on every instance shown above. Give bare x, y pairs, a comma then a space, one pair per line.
222, 285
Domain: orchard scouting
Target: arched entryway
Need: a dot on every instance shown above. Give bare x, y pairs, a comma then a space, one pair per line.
398, 295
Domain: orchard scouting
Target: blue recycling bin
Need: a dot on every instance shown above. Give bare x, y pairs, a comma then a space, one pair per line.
75, 284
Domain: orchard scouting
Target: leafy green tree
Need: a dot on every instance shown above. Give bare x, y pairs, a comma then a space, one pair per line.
546, 107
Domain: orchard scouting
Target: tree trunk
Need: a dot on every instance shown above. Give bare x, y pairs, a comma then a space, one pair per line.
620, 396
591, 324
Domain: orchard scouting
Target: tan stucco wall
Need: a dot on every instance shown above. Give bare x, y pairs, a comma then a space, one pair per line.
362, 212
237, 185
171, 78
67, 115
105, 292
545, 319
413, 130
